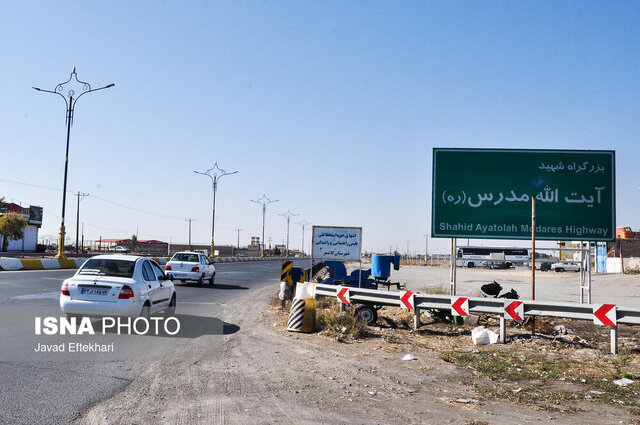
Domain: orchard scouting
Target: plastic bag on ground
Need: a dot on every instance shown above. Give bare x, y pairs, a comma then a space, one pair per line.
482, 336
285, 291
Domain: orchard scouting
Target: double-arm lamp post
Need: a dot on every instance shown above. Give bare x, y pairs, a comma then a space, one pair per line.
264, 201
303, 223
70, 91
214, 173
288, 216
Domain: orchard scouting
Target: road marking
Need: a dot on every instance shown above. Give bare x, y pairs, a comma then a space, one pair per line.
52, 278
40, 296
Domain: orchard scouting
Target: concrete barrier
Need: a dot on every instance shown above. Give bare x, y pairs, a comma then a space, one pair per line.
50, 263
67, 263
31, 264
10, 264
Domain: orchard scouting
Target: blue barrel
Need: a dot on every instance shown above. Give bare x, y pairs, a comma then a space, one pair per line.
381, 265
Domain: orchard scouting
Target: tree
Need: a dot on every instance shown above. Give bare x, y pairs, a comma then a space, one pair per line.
134, 243
12, 228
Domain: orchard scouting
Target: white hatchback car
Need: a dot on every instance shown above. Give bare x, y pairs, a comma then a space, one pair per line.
191, 266
118, 285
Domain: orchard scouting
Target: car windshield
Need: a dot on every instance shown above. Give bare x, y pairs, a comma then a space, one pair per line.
191, 258
108, 267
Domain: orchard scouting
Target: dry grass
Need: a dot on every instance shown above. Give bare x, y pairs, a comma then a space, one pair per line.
547, 384
336, 324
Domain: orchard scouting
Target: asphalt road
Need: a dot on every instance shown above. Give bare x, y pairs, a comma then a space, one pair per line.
43, 388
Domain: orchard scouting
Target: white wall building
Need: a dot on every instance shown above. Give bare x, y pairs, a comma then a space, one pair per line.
33, 215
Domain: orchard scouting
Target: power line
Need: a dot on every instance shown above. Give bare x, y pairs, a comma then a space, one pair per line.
135, 209
95, 197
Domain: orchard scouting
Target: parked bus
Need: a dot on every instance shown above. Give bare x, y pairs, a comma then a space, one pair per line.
494, 257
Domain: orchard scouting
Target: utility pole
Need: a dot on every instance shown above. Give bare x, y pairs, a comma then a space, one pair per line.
80, 196
303, 223
217, 175
82, 237
238, 230
264, 201
288, 215
407, 248
190, 220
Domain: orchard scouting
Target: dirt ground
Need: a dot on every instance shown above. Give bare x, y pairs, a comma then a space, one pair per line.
263, 374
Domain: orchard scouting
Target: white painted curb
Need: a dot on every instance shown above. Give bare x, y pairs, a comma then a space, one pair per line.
10, 264
50, 263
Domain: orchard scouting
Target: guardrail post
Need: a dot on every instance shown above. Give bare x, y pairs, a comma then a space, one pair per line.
614, 340
416, 320
503, 330
343, 308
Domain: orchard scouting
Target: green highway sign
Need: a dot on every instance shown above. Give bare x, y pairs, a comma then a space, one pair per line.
487, 193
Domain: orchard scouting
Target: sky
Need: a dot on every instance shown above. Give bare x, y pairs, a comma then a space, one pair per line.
332, 108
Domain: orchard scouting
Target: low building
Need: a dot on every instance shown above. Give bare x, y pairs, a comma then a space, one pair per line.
150, 247
33, 216
623, 256
222, 250
106, 244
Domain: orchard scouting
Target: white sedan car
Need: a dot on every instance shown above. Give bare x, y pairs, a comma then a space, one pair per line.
566, 266
118, 285
191, 266
120, 249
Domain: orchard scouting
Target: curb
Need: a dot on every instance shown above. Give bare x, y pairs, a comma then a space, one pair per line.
14, 264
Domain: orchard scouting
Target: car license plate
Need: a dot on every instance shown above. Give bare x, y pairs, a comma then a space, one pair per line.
94, 291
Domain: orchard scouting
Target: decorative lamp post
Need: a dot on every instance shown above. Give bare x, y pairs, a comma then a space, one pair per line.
304, 224
70, 91
214, 176
288, 215
264, 201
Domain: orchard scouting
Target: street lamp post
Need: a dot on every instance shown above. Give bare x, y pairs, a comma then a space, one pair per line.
288, 215
264, 201
74, 88
303, 223
214, 182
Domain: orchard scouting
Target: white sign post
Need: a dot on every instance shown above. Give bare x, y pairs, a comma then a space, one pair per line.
336, 243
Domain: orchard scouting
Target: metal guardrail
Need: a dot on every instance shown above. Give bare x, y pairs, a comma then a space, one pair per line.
566, 310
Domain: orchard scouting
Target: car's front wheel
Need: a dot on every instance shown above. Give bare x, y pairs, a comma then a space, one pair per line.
212, 279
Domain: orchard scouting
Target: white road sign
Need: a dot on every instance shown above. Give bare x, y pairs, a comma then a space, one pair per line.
337, 243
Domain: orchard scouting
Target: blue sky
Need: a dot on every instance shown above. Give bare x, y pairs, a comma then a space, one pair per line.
331, 107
